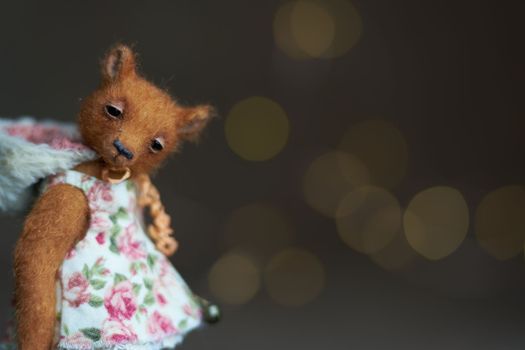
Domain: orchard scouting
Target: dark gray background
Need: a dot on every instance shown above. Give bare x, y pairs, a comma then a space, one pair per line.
450, 74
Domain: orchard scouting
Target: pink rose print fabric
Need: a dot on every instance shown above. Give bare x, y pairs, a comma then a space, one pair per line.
115, 290
159, 326
53, 136
75, 291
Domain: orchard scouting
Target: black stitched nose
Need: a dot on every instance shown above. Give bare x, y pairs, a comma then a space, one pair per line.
122, 150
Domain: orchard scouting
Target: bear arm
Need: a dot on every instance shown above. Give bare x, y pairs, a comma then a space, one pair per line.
56, 223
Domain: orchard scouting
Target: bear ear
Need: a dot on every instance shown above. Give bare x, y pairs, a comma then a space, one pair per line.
118, 63
193, 121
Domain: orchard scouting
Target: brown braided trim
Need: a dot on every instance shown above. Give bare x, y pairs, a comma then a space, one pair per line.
160, 230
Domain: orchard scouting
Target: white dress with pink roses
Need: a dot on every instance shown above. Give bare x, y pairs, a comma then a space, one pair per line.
115, 290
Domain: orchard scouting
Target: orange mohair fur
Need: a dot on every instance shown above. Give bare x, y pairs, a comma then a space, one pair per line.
60, 217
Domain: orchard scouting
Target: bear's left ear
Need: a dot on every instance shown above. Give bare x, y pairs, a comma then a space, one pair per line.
193, 120
118, 63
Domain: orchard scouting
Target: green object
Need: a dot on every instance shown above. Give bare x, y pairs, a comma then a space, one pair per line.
211, 312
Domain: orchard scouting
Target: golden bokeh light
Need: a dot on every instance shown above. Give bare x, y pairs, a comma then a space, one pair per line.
500, 222
283, 34
436, 222
312, 27
257, 128
382, 148
294, 277
368, 218
396, 255
329, 178
317, 28
234, 279
348, 26
259, 229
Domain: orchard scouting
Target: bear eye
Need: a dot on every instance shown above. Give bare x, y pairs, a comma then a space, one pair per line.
113, 111
157, 145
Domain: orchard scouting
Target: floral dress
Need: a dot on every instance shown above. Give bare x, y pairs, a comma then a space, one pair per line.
114, 289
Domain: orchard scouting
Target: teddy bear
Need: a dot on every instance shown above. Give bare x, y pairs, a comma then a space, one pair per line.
89, 274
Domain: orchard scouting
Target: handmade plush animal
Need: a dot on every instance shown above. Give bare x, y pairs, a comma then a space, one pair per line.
87, 275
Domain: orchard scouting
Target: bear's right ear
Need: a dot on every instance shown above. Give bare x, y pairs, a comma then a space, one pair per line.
118, 63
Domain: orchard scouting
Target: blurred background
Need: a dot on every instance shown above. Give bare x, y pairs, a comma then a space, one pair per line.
363, 186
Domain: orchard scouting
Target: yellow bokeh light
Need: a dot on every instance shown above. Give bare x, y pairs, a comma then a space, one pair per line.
396, 255
436, 222
500, 222
329, 178
294, 277
234, 279
257, 128
348, 26
382, 148
259, 229
283, 35
368, 218
317, 28
312, 27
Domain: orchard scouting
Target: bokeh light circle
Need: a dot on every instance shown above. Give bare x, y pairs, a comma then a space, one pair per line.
500, 222
312, 27
436, 222
329, 178
234, 279
317, 28
348, 26
396, 255
283, 34
257, 128
259, 229
294, 277
368, 218
381, 147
